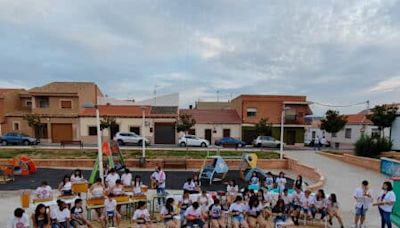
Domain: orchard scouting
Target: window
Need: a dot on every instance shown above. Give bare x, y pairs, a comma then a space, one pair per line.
227, 133
28, 104
375, 132
43, 102
251, 112
15, 126
334, 134
135, 130
290, 114
92, 131
347, 133
313, 134
66, 104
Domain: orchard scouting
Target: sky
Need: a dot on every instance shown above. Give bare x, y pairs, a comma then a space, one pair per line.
336, 52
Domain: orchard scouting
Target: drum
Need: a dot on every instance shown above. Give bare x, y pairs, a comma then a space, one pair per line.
123, 198
128, 189
139, 197
37, 200
95, 201
143, 188
80, 187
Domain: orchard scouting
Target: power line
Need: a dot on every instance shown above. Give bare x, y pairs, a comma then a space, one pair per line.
339, 106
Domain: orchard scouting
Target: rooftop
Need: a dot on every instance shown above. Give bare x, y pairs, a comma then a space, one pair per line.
213, 116
358, 119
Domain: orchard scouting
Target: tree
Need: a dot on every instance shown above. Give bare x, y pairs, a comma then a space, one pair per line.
383, 116
263, 128
108, 123
333, 122
185, 122
33, 122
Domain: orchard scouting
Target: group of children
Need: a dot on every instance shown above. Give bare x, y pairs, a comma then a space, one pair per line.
245, 206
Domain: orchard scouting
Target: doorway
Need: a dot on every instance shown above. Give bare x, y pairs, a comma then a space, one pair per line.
207, 134
290, 137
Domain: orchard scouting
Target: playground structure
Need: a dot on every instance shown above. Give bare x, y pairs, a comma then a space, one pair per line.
19, 165
113, 159
217, 169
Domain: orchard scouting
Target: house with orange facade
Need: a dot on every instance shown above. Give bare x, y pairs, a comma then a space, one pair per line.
253, 108
58, 105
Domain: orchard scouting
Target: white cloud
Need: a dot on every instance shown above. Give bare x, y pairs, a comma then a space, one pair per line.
210, 47
387, 85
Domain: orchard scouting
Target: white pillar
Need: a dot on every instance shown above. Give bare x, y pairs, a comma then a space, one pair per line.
99, 150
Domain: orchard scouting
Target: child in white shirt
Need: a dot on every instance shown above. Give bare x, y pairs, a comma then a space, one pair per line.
110, 211
126, 178
20, 219
142, 216
44, 191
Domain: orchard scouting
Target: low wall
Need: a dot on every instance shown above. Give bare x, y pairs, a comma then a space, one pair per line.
368, 163
309, 172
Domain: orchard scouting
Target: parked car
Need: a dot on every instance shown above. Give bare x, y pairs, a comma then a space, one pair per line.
124, 138
18, 138
226, 141
266, 141
192, 140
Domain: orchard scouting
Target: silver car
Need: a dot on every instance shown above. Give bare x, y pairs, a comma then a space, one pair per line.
266, 141
130, 138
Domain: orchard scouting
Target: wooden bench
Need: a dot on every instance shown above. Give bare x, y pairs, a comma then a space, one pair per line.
172, 163
71, 142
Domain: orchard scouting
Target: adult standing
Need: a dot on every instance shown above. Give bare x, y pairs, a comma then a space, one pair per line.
159, 178
363, 199
385, 203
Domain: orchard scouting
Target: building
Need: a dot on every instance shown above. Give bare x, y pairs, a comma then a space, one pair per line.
58, 105
395, 132
8, 98
313, 129
253, 108
215, 105
357, 124
160, 122
213, 124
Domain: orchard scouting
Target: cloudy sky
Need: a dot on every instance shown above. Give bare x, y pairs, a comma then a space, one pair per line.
335, 52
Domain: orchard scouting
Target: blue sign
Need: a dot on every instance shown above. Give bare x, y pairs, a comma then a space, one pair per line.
390, 167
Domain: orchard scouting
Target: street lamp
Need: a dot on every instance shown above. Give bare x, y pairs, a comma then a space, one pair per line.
143, 132
284, 109
99, 149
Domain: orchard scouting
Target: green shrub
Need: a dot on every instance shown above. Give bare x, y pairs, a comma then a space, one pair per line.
368, 146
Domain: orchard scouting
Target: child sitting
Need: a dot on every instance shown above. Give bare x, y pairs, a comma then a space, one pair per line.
142, 216
110, 212
77, 218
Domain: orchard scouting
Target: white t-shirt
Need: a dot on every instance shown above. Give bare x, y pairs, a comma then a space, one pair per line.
306, 202
189, 186
43, 192
137, 188
361, 200
110, 205
126, 179
111, 179
164, 211
141, 214
160, 177
118, 190
296, 197
22, 222
388, 197
319, 204
60, 216
98, 191
287, 199
76, 178
196, 213
254, 211
281, 182
205, 200
238, 207
232, 189
67, 186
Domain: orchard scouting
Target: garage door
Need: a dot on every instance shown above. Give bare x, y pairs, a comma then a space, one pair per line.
164, 133
60, 132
